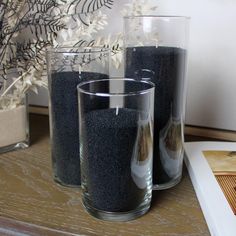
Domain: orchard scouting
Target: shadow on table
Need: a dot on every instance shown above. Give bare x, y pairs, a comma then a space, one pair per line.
165, 197
39, 127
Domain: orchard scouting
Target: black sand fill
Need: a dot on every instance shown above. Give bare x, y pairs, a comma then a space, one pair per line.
167, 63
108, 143
64, 124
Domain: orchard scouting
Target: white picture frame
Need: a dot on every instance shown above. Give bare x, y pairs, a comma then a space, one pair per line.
216, 209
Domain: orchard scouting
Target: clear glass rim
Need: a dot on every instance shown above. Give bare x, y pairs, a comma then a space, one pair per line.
138, 92
74, 50
172, 17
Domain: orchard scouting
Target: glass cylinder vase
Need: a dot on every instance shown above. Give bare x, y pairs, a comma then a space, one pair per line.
67, 67
116, 138
14, 126
156, 49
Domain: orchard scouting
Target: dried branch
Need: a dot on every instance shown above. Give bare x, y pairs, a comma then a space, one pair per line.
41, 22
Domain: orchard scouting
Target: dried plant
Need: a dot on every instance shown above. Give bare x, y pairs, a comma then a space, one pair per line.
139, 7
28, 27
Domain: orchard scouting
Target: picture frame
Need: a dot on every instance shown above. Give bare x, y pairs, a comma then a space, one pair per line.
216, 209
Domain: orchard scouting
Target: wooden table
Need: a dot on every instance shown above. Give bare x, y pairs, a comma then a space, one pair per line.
31, 203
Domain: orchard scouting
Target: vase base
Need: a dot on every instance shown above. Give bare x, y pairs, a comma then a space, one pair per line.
59, 182
117, 216
167, 185
13, 147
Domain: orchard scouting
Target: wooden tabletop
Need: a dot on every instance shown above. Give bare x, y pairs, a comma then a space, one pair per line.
31, 203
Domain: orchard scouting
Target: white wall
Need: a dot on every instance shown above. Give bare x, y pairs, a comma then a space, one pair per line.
211, 98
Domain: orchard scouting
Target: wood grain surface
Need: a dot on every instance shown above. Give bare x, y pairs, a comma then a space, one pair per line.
31, 203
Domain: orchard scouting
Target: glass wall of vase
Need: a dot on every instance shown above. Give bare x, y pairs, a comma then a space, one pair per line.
156, 49
67, 67
14, 127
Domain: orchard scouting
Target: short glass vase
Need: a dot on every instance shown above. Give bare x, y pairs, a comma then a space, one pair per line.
116, 141
14, 127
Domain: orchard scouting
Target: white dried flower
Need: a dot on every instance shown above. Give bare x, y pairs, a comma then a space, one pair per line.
138, 7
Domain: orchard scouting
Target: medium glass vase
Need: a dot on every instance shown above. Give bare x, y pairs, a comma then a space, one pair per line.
67, 67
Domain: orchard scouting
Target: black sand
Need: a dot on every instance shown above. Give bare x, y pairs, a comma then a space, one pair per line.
167, 66
64, 124
107, 149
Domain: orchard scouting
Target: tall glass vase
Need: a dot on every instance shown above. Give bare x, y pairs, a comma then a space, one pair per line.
156, 50
67, 67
